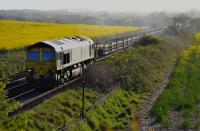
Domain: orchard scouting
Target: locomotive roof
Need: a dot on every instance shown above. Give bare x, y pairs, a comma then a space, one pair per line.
67, 43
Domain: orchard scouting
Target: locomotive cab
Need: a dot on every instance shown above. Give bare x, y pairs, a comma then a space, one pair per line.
41, 64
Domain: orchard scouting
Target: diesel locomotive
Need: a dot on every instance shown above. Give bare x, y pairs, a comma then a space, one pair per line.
55, 61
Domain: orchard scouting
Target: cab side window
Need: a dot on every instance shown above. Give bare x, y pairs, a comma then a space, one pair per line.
90, 48
66, 58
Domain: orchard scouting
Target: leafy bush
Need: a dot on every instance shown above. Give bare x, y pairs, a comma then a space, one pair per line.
142, 67
15, 123
100, 76
147, 40
172, 31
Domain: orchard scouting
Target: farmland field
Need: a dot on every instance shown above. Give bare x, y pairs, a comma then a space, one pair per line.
16, 34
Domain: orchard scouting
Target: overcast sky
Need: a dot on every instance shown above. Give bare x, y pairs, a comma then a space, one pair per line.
104, 5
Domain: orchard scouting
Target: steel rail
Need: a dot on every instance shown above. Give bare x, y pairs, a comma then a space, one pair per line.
17, 86
20, 95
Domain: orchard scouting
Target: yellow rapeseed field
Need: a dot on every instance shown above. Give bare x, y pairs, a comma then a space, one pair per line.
186, 55
16, 34
198, 37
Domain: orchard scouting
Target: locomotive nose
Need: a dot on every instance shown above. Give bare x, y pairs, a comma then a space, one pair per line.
41, 70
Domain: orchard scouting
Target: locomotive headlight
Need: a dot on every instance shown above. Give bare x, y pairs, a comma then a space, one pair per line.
29, 70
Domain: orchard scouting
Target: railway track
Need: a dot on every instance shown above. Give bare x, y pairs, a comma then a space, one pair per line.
19, 89
34, 97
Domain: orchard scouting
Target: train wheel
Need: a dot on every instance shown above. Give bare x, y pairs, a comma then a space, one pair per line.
51, 82
81, 70
84, 68
69, 74
60, 79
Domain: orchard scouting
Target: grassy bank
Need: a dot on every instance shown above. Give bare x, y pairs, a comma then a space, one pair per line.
115, 113
182, 94
48, 115
12, 62
55, 111
17, 34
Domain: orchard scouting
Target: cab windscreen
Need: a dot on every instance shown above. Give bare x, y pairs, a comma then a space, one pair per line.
48, 55
33, 55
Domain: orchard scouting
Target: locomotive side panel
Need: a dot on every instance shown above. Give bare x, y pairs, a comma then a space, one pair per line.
76, 54
85, 52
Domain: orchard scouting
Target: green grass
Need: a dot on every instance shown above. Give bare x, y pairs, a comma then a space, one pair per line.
116, 112
183, 92
52, 113
55, 111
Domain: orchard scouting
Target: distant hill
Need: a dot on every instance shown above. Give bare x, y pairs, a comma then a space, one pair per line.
86, 17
